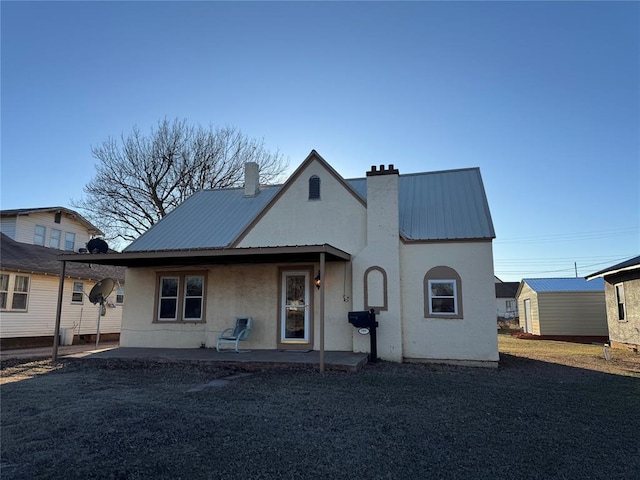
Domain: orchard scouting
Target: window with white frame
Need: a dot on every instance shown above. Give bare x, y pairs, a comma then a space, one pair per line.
69, 241
54, 238
77, 296
120, 295
442, 293
622, 313
193, 295
20, 293
39, 235
4, 290
14, 292
180, 297
442, 297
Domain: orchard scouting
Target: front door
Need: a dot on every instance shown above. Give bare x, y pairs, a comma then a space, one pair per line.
294, 322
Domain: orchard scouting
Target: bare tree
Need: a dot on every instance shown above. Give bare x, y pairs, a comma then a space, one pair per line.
141, 178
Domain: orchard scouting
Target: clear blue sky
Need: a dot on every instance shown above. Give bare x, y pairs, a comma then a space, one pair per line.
542, 96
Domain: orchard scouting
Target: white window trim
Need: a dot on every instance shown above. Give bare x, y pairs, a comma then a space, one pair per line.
160, 298
66, 234
6, 292
431, 296
11, 291
185, 297
74, 292
52, 238
44, 235
181, 297
118, 289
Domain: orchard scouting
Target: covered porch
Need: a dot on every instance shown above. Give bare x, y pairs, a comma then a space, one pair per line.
234, 280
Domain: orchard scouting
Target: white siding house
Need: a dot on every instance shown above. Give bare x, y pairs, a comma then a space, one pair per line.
298, 257
30, 243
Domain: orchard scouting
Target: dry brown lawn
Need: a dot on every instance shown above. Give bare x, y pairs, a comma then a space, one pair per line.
579, 355
552, 410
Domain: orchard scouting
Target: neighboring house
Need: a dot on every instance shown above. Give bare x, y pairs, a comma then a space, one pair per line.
506, 303
622, 294
562, 307
54, 227
30, 244
299, 257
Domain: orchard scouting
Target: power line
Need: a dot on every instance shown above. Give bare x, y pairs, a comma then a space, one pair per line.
571, 268
568, 237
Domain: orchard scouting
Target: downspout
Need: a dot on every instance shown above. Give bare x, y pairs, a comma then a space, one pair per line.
56, 333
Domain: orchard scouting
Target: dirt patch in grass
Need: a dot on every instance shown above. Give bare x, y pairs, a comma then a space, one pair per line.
535, 417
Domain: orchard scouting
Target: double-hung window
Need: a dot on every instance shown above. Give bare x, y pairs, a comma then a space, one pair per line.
442, 297
181, 297
4, 290
54, 239
77, 294
39, 235
69, 241
120, 296
20, 293
14, 292
443, 293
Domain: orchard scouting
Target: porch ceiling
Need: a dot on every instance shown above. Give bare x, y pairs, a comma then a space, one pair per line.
163, 258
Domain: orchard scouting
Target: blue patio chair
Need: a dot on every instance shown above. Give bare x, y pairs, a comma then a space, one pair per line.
236, 334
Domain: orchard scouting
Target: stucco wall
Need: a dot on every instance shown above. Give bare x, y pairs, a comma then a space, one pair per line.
338, 218
627, 331
233, 291
473, 337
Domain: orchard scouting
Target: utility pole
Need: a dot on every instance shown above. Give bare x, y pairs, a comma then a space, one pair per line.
575, 265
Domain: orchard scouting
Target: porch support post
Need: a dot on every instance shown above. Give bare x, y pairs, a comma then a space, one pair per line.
56, 332
322, 283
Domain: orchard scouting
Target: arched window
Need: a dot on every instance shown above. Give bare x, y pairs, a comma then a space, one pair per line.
314, 188
375, 289
442, 293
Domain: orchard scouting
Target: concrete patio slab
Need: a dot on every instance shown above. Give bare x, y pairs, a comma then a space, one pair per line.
349, 361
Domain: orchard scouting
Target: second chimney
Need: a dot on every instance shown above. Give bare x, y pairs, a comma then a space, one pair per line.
251, 179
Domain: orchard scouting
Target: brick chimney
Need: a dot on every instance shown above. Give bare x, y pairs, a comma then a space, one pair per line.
251, 179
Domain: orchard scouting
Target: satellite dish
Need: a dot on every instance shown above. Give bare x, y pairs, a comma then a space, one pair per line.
101, 290
98, 293
97, 245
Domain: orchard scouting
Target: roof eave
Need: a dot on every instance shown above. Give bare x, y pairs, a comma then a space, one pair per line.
210, 255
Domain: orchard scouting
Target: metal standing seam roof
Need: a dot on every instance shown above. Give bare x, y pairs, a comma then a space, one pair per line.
565, 284
207, 219
444, 205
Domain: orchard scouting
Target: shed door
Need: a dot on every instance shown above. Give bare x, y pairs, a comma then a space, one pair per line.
527, 315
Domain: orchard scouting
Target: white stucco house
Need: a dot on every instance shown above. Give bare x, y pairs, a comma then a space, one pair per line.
298, 257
